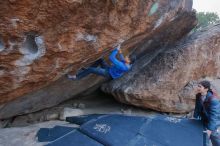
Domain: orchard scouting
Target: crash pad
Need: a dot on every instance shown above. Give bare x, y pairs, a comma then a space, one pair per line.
50, 134
116, 130
74, 138
79, 120
127, 130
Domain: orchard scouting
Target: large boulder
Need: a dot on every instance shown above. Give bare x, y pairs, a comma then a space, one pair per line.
166, 82
40, 41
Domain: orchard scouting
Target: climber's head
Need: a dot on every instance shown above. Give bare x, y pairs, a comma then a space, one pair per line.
127, 60
204, 87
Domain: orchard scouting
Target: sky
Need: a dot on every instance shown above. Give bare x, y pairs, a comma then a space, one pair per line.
207, 6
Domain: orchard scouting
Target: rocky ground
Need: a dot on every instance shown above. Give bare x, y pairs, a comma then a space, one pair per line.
26, 136
21, 130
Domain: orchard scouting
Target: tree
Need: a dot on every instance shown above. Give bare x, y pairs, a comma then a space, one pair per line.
206, 18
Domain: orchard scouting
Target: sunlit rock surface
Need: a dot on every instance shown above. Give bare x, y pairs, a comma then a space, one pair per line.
40, 41
166, 83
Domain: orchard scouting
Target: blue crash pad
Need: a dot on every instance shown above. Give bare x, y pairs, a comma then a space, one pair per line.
123, 130
74, 138
50, 134
79, 120
173, 131
117, 130
113, 129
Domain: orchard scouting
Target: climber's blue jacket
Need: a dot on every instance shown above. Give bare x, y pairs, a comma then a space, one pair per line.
119, 67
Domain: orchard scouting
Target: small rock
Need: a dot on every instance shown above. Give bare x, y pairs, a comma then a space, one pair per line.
4, 123
81, 105
53, 116
75, 105
68, 112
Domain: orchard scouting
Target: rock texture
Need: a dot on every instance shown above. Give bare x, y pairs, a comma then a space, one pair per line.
166, 82
40, 41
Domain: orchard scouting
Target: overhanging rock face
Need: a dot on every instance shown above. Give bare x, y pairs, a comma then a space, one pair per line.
40, 41
164, 83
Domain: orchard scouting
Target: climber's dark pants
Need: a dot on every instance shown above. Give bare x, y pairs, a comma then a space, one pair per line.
103, 70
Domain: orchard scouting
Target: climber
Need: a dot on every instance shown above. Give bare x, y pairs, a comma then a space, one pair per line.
116, 70
207, 109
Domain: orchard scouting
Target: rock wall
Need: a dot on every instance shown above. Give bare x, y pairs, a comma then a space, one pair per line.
166, 82
40, 41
